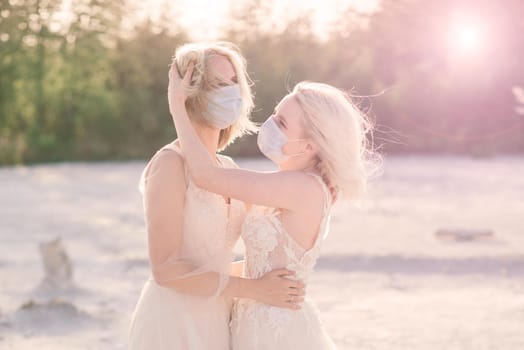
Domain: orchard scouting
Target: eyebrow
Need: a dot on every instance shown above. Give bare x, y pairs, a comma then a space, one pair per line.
223, 79
224, 82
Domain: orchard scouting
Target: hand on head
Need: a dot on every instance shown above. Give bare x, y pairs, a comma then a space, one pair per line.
176, 90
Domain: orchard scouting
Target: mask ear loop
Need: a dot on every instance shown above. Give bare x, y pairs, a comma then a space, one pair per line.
294, 154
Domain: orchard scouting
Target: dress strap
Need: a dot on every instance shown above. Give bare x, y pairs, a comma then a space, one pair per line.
328, 199
175, 148
324, 224
223, 161
172, 147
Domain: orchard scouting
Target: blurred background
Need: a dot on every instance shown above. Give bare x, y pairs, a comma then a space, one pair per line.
86, 79
432, 258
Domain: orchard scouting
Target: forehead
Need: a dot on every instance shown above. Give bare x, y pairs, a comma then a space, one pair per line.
221, 67
289, 108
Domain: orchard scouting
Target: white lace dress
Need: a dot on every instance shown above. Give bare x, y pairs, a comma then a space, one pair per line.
257, 326
165, 319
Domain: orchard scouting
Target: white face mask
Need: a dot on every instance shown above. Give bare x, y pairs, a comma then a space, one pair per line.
271, 139
225, 106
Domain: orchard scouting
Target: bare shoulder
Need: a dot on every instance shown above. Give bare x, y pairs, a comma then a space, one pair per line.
167, 165
304, 191
168, 158
316, 185
312, 193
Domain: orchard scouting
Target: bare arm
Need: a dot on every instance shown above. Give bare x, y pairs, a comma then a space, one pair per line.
164, 196
272, 189
236, 268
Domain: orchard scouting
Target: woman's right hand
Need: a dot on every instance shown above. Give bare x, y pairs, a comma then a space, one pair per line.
277, 289
176, 92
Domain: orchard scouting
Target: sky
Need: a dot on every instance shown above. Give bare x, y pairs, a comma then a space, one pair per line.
206, 18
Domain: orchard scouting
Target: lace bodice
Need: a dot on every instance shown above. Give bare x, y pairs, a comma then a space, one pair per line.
269, 246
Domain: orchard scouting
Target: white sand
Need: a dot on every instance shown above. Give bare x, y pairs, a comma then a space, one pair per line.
384, 280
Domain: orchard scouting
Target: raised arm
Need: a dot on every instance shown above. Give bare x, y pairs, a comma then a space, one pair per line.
164, 193
272, 189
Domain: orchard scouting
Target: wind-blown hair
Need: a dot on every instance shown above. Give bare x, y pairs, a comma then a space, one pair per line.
341, 132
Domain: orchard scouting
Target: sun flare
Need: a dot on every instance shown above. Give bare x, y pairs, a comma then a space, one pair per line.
467, 38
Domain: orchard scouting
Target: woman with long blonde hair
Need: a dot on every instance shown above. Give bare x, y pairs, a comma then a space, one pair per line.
186, 304
318, 139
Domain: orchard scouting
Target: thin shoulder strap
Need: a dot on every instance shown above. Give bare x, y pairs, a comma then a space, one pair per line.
328, 199
145, 173
172, 147
324, 224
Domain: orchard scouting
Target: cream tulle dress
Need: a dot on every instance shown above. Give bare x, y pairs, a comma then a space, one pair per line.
165, 319
257, 326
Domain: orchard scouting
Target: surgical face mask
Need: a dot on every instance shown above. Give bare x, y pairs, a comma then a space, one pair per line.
225, 106
271, 140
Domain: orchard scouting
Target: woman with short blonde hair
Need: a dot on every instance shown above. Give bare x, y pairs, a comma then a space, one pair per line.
205, 81
186, 304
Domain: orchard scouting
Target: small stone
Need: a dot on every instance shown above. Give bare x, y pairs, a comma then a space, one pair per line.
464, 235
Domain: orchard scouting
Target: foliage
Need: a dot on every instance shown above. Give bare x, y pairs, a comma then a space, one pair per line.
81, 87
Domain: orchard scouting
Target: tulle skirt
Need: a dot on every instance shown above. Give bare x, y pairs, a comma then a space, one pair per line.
257, 326
166, 320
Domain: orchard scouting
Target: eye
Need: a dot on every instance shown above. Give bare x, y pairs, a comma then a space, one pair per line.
281, 122
222, 84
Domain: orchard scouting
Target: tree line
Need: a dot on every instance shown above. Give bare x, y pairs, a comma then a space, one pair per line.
89, 88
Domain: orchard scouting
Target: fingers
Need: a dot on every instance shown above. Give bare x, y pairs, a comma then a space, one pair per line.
189, 74
293, 304
297, 292
297, 287
288, 305
176, 88
287, 301
296, 299
173, 78
173, 72
284, 273
296, 284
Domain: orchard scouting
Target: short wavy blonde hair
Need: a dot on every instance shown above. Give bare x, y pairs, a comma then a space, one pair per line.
201, 85
346, 157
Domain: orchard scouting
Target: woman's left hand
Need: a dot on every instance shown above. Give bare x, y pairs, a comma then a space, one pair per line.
176, 92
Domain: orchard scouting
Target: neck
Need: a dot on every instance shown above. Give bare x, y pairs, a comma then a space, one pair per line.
305, 164
209, 137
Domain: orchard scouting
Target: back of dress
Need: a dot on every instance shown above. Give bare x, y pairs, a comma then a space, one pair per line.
269, 246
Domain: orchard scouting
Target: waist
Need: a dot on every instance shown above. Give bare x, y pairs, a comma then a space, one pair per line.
154, 290
301, 274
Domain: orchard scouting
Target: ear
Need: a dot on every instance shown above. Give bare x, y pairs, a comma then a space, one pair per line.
311, 147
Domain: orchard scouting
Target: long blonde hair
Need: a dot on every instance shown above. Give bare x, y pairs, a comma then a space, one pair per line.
340, 130
201, 85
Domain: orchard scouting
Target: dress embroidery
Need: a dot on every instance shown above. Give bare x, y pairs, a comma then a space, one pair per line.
269, 247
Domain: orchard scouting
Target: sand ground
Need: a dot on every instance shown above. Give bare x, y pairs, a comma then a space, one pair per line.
385, 281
